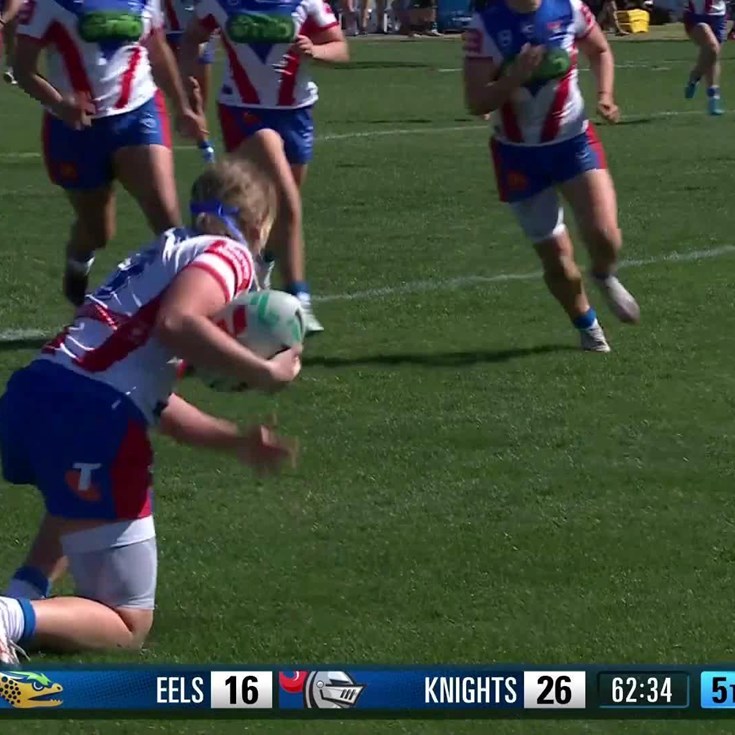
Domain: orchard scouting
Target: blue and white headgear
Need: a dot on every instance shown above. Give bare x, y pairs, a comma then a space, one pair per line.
222, 212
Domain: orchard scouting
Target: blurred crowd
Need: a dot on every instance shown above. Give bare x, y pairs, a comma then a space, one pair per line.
403, 17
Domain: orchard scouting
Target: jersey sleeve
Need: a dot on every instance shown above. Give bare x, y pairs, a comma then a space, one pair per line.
204, 13
35, 19
229, 263
477, 42
157, 18
320, 17
583, 20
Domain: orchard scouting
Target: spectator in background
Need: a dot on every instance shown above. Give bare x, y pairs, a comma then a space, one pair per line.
349, 13
8, 23
608, 18
379, 16
417, 17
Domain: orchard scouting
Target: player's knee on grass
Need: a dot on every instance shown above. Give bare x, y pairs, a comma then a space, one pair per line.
117, 564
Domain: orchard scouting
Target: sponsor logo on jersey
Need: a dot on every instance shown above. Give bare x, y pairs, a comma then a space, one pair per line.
261, 28
103, 26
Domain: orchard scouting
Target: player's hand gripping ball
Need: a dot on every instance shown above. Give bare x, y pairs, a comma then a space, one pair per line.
266, 322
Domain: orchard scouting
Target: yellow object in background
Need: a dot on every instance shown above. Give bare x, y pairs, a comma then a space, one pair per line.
633, 21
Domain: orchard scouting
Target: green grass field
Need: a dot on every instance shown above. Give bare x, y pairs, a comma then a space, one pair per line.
472, 488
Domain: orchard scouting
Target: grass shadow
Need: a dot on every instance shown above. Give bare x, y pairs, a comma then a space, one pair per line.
440, 359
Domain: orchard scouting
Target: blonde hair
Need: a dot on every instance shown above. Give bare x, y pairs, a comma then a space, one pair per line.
240, 184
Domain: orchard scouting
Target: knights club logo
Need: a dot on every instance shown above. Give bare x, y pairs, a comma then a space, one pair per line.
322, 689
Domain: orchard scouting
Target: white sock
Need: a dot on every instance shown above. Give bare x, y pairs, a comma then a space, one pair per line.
20, 588
82, 267
12, 614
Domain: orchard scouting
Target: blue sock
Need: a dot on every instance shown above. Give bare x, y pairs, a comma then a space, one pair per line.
600, 276
713, 92
586, 320
29, 621
29, 582
297, 288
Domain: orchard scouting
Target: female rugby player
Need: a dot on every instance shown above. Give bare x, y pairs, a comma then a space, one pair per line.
265, 105
705, 22
521, 66
105, 118
75, 422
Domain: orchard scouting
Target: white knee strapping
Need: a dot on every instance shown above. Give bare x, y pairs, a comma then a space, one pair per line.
541, 216
116, 563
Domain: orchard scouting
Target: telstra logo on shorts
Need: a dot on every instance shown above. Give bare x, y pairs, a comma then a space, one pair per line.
79, 480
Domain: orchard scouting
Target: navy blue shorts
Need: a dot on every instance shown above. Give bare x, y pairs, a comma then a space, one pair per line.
717, 23
83, 159
296, 128
83, 444
522, 171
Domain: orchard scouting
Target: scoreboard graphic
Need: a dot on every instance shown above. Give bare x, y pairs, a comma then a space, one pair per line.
355, 691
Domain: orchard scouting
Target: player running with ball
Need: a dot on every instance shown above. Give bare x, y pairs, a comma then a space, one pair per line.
75, 422
521, 66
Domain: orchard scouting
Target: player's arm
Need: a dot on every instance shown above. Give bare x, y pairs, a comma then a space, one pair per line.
321, 37
329, 46
184, 326
485, 90
10, 12
75, 110
198, 31
596, 48
592, 43
258, 447
190, 120
27, 53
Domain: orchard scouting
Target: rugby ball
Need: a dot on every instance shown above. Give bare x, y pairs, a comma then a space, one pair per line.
266, 322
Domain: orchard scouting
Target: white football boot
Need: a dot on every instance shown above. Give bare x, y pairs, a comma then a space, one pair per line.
619, 299
264, 272
593, 339
311, 324
8, 650
9, 77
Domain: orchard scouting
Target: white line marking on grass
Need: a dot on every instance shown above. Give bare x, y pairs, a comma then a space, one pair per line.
451, 284
389, 132
631, 65
18, 335
466, 281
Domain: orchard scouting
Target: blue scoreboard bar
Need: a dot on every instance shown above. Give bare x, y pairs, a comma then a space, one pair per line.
346, 691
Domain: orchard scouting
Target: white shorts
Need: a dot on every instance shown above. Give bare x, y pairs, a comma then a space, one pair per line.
116, 563
541, 216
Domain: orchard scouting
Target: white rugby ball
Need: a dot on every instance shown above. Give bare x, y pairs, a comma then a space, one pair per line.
266, 322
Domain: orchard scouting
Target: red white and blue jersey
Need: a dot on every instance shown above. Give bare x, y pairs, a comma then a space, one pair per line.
177, 14
542, 112
111, 339
96, 47
706, 7
262, 69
